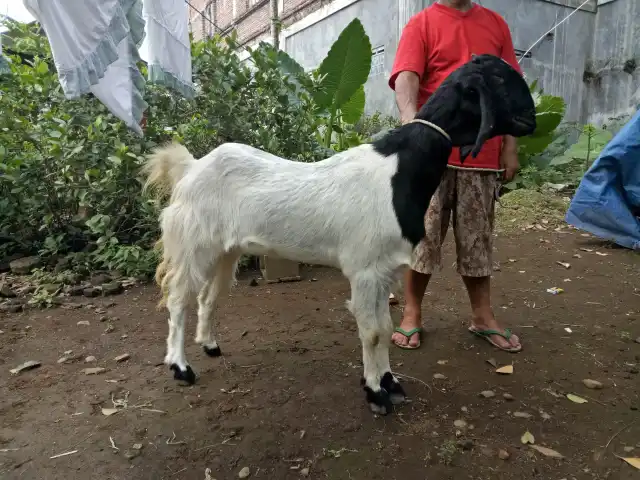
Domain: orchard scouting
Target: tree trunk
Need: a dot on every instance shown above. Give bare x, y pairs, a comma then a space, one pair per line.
275, 25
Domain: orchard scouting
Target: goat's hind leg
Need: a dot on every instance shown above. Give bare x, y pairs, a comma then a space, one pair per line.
177, 302
218, 284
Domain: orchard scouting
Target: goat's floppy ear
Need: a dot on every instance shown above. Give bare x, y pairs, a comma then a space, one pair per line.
464, 152
487, 114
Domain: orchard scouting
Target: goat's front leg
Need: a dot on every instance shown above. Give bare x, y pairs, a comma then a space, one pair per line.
369, 304
388, 382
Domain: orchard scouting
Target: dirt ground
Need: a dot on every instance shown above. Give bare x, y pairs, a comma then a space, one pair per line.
285, 401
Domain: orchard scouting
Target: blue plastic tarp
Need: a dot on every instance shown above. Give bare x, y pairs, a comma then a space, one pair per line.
607, 201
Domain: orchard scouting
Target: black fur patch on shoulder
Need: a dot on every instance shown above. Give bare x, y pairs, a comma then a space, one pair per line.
422, 160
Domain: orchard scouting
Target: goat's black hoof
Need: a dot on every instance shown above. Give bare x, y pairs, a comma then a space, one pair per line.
391, 385
212, 352
379, 402
187, 375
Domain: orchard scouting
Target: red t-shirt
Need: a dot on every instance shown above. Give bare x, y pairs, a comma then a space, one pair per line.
438, 40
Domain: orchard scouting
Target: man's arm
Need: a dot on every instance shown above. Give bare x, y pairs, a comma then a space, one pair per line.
509, 156
409, 67
407, 87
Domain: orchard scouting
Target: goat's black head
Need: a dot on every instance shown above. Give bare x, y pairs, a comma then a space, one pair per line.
484, 98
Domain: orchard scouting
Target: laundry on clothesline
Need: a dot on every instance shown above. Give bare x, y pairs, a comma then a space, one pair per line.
96, 45
4, 64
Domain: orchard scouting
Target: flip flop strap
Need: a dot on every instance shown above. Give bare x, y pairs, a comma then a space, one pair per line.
408, 333
485, 333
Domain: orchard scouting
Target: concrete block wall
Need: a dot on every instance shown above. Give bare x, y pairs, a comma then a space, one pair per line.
250, 18
602, 38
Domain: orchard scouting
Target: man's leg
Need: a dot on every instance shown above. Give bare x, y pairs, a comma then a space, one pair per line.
426, 258
473, 227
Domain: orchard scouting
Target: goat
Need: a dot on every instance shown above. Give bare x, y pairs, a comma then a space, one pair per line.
361, 210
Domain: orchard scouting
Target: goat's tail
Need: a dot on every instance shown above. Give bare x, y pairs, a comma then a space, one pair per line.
165, 167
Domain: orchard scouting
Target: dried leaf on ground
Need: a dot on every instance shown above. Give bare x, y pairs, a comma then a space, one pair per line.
29, 365
575, 398
634, 462
527, 437
506, 370
547, 452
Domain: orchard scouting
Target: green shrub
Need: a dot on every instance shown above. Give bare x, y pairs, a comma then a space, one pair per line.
69, 170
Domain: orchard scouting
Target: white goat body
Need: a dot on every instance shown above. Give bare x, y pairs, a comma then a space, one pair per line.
239, 199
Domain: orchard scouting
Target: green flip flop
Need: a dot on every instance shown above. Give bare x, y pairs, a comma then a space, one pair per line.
408, 334
486, 335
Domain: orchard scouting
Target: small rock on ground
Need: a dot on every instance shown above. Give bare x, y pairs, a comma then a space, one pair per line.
487, 394
592, 384
131, 454
508, 397
522, 415
90, 359
100, 278
305, 472
74, 290
112, 288
5, 291
94, 370
12, 308
244, 473
503, 455
91, 291
83, 322
488, 452
439, 376
122, 358
23, 266
460, 424
466, 444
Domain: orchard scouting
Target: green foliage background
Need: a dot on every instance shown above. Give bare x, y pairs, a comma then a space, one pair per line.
69, 170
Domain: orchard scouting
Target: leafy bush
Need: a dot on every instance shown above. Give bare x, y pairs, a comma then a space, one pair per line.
559, 154
69, 178
69, 170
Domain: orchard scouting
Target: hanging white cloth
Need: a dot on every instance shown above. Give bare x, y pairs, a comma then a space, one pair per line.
4, 63
95, 46
168, 46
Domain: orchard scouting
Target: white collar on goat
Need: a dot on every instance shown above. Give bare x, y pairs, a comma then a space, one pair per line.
432, 125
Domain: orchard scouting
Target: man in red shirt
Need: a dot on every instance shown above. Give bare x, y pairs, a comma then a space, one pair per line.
435, 42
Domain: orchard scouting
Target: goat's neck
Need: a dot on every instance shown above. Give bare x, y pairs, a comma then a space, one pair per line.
422, 160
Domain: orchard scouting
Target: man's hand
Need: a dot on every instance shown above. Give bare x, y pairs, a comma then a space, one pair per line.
509, 158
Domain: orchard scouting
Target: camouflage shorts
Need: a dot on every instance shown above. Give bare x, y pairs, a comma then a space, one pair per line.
467, 199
